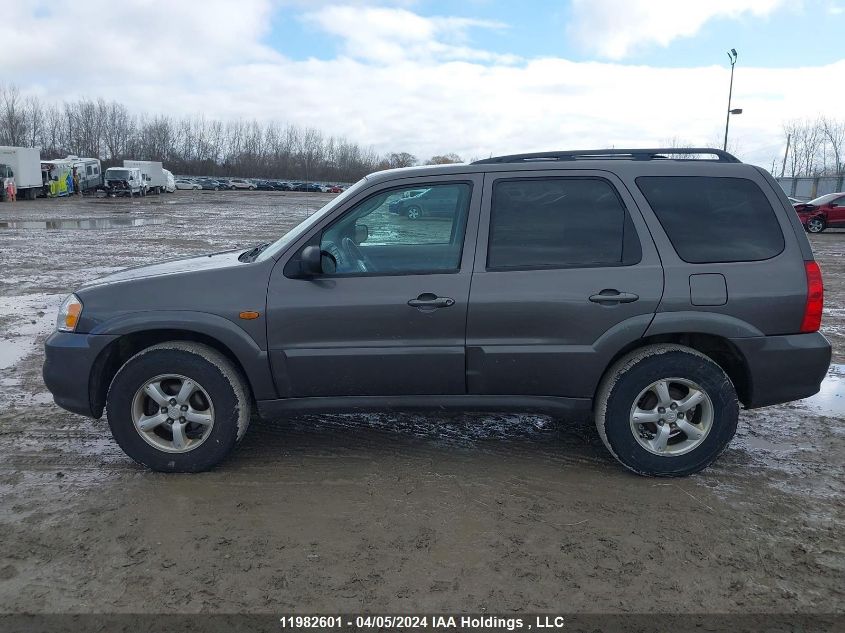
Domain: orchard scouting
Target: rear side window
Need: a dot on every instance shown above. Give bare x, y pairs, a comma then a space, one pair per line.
714, 219
559, 223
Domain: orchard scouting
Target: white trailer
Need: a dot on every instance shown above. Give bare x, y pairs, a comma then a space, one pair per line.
154, 177
24, 165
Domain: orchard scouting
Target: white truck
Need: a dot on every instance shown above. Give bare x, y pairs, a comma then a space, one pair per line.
124, 181
155, 179
24, 165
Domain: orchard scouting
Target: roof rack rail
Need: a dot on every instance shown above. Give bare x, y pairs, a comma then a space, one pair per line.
660, 153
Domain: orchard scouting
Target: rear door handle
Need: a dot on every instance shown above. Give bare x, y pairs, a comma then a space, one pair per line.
612, 297
430, 301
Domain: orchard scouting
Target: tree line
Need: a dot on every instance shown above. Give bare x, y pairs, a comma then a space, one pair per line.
191, 146
815, 147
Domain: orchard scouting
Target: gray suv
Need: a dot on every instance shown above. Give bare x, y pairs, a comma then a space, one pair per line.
652, 289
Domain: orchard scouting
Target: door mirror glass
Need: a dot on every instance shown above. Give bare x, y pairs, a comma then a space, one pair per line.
362, 232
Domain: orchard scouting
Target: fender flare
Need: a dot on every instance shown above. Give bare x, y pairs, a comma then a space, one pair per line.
251, 357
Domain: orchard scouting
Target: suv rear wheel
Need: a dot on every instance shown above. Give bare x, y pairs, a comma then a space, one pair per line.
178, 407
666, 410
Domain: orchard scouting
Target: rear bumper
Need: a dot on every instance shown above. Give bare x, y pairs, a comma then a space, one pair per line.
784, 368
68, 361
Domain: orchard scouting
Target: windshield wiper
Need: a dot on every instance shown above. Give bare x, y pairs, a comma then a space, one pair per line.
251, 254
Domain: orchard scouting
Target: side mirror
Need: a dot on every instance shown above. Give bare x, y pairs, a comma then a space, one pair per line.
362, 232
311, 262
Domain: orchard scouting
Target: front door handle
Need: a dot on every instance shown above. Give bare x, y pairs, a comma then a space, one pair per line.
430, 301
613, 296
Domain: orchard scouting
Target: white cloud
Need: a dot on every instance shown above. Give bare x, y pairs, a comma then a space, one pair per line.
614, 28
388, 35
435, 96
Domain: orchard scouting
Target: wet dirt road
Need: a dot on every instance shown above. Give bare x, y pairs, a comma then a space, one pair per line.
391, 513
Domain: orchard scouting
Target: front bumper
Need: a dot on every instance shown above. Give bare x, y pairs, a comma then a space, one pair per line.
784, 368
69, 359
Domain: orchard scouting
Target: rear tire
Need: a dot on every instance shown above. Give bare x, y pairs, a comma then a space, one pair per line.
216, 405
414, 213
693, 435
816, 225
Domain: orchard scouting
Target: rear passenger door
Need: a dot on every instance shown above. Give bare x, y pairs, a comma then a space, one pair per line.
565, 274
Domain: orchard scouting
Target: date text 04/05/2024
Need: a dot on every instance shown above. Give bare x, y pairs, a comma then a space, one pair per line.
421, 621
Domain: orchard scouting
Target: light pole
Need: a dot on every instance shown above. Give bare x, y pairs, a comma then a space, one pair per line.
731, 56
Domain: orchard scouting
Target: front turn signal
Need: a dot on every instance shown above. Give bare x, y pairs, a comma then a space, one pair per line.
69, 314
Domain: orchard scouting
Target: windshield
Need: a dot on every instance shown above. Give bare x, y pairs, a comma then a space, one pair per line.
117, 174
296, 232
823, 199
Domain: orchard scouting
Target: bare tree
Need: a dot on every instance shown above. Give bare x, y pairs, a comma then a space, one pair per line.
444, 159
834, 134
198, 146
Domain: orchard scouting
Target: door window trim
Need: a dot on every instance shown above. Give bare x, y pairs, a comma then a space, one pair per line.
629, 240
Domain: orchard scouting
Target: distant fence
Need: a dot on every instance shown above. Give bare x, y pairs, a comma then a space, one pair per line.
812, 187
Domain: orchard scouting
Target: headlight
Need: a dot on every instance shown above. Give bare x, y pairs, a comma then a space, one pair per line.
69, 314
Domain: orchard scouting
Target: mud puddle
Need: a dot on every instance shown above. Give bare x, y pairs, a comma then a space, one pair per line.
82, 224
830, 400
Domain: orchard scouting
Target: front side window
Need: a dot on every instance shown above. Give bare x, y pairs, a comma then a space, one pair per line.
401, 231
559, 223
711, 219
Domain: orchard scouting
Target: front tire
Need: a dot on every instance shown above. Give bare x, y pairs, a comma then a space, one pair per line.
666, 411
414, 213
816, 225
178, 407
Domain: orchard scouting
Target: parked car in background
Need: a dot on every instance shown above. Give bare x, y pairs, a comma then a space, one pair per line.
240, 183
335, 189
223, 183
434, 202
306, 186
265, 185
824, 212
550, 288
181, 183
208, 183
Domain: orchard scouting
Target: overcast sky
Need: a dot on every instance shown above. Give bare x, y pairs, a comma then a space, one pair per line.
475, 77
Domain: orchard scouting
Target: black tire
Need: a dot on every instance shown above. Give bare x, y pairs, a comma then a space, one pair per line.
624, 382
206, 367
816, 225
413, 213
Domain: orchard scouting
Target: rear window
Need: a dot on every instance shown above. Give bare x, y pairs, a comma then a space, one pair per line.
714, 219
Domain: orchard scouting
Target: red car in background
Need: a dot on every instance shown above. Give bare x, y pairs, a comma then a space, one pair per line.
825, 212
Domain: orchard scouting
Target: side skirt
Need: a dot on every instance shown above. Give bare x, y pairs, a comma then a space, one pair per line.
577, 408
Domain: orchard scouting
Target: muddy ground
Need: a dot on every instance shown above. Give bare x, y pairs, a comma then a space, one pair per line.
396, 513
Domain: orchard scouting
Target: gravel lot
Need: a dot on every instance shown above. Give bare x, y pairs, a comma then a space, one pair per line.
385, 513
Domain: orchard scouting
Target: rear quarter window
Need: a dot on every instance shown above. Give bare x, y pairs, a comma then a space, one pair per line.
712, 219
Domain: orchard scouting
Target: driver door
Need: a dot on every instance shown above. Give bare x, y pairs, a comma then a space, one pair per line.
387, 316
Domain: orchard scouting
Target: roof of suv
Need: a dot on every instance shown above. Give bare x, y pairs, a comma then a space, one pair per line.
585, 159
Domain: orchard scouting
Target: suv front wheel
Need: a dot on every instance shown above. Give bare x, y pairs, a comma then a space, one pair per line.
178, 407
666, 410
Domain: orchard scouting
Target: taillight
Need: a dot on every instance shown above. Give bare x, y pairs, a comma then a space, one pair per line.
815, 298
